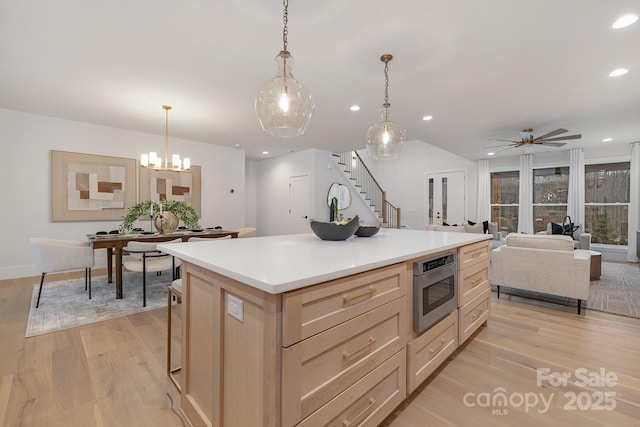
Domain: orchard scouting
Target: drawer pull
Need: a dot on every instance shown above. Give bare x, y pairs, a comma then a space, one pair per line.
476, 281
432, 351
347, 298
348, 355
477, 313
476, 253
372, 403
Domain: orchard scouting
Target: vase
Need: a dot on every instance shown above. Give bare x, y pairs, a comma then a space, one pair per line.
167, 223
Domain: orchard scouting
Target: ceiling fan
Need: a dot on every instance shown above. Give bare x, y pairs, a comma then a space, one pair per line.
527, 138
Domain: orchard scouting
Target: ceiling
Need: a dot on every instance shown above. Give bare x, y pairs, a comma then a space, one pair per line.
482, 69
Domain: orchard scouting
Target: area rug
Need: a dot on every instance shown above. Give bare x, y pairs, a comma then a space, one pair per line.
65, 304
617, 291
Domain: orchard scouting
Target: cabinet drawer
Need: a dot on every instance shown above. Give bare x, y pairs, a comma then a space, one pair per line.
311, 310
368, 401
473, 254
472, 282
474, 314
317, 369
426, 352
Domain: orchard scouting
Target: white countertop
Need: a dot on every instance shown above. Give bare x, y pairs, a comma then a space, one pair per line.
277, 264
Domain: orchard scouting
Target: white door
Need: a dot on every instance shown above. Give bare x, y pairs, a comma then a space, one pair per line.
299, 204
446, 194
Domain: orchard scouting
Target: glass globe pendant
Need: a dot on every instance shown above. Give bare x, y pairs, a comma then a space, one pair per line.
283, 105
386, 138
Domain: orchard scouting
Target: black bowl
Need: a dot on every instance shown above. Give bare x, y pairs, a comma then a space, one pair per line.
333, 231
367, 230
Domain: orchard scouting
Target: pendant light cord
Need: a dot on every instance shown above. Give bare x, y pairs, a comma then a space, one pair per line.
285, 21
386, 83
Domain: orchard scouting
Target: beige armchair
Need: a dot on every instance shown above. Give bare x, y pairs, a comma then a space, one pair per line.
542, 263
581, 240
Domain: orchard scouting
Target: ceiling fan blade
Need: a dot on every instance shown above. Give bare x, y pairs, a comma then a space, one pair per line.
505, 140
561, 138
550, 134
502, 145
553, 144
505, 149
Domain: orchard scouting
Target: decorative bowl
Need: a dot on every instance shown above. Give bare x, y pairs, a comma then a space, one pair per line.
335, 230
367, 230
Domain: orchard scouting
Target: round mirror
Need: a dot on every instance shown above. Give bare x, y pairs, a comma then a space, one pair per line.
341, 193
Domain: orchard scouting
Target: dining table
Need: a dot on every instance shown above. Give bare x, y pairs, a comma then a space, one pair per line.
114, 243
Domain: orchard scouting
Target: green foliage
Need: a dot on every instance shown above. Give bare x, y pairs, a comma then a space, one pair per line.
184, 211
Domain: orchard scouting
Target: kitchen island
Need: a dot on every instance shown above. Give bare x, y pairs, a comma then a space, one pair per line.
288, 330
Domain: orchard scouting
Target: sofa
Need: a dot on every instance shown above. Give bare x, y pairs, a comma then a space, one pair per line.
581, 240
496, 240
542, 263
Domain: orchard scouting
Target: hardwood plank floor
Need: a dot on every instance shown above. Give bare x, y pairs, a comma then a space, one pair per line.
113, 373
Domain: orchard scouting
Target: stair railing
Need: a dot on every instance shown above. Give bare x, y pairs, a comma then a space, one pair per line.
370, 188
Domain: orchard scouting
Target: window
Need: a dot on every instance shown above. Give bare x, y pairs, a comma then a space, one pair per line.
550, 189
606, 199
504, 200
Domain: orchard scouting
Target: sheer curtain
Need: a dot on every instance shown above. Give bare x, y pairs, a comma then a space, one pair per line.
483, 212
525, 210
575, 199
634, 201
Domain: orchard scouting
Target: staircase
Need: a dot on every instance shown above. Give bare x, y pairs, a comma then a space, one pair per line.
375, 197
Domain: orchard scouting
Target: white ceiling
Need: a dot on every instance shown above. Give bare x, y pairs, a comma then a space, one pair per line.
483, 69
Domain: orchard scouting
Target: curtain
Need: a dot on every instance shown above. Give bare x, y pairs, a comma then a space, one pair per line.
634, 202
525, 210
483, 212
575, 199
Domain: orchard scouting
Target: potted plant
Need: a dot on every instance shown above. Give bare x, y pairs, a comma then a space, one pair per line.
148, 209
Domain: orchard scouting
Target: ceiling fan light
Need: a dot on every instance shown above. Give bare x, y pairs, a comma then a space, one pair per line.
624, 21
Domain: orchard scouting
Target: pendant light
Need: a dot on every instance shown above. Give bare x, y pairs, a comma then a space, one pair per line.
152, 161
284, 106
385, 139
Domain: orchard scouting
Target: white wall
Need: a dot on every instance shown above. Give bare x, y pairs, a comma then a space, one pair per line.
273, 190
25, 179
251, 196
404, 180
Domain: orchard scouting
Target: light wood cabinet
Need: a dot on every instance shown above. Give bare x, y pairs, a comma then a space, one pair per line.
474, 290
473, 315
314, 309
367, 402
427, 351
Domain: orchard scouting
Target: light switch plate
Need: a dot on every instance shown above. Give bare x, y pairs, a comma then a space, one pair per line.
235, 307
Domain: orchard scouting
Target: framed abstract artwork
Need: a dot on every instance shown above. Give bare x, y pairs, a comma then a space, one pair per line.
89, 187
171, 185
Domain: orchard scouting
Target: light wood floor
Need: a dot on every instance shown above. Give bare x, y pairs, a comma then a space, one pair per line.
113, 373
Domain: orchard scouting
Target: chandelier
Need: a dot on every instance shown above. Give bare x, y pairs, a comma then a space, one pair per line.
385, 139
283, 105
152, 161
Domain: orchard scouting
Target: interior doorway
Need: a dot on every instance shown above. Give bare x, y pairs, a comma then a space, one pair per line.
299, 204
446, 194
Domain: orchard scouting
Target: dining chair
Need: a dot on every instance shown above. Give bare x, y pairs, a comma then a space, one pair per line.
175, 291
246, 232
56, 255
204, 239
145, 257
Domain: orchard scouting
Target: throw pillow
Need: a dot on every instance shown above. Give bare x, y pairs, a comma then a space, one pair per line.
485, 227
471, 223
473, 228
556, 228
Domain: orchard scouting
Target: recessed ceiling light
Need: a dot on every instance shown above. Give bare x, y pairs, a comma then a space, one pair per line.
237, 145
607, 140
354, 108
624, 21
427, 118
265, 152
618, 72
490, 154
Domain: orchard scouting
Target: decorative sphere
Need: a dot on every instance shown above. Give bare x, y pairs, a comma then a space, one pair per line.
167, 224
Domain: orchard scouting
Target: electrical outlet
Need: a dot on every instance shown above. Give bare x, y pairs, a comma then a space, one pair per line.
235, 307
